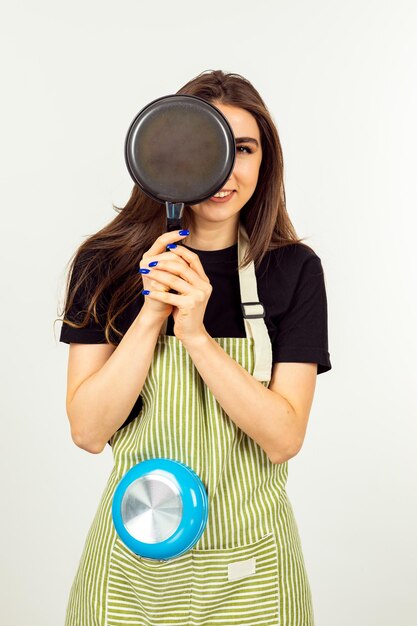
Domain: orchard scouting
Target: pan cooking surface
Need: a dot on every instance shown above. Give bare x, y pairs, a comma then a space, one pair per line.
180, 149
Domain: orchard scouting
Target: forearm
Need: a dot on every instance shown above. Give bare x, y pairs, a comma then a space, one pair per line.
262, 414
103, 401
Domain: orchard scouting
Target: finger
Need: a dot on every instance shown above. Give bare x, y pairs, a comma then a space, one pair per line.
171, 281
192, 259
174, 266
163, 240
180, 277
158, 257
166, 297
179, 268
165, 256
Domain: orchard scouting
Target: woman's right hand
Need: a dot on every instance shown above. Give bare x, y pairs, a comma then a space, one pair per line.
158, 252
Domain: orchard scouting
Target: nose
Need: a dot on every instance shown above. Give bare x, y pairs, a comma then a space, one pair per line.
228, 180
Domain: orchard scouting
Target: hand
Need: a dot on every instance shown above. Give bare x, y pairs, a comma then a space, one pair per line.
158, 252
186, 275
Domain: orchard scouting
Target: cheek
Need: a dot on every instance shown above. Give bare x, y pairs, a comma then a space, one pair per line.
247, 174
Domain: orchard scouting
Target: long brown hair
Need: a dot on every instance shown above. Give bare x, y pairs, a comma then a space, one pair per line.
108, 261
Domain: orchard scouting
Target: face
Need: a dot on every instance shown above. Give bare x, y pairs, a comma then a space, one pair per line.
244, 176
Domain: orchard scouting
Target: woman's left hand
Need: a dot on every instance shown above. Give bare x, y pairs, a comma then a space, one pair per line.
194, 290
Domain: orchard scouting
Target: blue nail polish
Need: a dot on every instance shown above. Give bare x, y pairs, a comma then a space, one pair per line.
152, 264
145, 292
171, 245
184, 232
144, 271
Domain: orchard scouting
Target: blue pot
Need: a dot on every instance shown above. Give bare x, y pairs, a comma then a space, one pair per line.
160, 509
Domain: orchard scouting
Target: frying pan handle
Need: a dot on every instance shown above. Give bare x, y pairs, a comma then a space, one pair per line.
174, 215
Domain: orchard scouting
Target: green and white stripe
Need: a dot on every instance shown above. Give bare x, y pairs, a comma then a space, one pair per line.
250, 517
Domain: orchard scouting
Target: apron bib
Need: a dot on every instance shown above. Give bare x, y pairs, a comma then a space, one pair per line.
247, 567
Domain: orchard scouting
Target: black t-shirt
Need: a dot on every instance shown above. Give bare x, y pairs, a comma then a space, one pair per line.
291, 287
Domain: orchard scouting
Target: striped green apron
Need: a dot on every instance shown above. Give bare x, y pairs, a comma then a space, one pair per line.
247, 568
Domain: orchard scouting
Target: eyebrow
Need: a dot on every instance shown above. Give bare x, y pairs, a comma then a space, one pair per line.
247, 140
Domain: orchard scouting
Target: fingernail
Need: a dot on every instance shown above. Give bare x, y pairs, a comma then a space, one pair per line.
171, 245
184, 232
144, 271
152, 264
146, 292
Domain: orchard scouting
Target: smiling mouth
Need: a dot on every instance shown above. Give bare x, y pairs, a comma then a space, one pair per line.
223, 198
223, 192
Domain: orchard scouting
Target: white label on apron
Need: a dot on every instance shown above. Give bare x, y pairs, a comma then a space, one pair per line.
240, 569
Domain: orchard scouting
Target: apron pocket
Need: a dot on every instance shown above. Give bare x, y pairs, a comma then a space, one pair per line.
236, 585
143, 592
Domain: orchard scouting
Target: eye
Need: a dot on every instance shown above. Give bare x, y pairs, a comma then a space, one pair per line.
245, 148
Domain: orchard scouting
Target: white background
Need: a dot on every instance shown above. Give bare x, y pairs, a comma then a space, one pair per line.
340, 81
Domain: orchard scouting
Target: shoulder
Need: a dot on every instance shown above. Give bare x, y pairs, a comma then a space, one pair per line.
296, 255
89, 278
92, 269
288, 263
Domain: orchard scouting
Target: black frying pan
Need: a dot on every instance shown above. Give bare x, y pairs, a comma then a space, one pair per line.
180, 149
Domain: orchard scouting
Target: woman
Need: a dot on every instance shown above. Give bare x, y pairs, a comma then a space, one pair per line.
188, 376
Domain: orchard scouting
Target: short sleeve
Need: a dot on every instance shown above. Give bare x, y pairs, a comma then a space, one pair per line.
302, 334
93, 332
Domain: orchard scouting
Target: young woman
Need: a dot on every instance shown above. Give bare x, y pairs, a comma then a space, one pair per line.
190, 376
